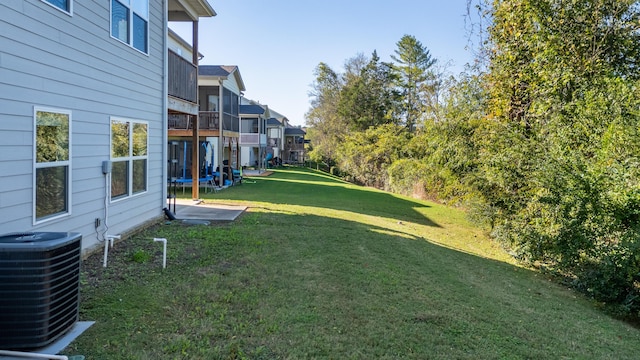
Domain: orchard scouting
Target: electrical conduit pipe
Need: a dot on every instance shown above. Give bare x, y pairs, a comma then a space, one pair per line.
108, 242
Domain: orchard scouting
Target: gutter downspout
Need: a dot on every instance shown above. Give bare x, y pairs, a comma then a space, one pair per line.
220, 137
195, 146
165, 102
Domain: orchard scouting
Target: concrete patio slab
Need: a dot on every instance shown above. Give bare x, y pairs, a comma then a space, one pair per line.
200, 210
57, 346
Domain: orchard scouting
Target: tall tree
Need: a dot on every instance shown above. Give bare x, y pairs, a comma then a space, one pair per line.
326, 128
414, 63
369, 98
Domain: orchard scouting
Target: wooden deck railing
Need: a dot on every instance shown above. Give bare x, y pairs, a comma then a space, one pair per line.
179, 122
209, 120
294, 147
183, 78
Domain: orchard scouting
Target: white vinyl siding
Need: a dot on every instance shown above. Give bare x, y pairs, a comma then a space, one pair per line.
55, 61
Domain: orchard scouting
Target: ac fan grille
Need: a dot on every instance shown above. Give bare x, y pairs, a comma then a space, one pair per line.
40, 290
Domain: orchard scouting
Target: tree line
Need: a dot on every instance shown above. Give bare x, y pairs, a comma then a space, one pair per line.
539, 139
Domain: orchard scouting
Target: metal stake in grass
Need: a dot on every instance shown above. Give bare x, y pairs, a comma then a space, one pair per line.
164, 251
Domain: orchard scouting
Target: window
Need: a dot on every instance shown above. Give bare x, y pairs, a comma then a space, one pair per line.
130, 22
213, 103
64, 5
235, 108
230, 102
129, 158
52, 160
226, 101
249, 126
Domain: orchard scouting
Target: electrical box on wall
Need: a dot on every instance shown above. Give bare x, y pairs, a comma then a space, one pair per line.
106, 167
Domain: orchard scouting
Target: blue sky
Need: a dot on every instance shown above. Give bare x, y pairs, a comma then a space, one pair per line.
277, 44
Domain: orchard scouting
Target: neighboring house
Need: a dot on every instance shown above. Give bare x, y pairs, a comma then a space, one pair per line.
293, 145
289, 140
284, 142
220, 88
253, 134
275, 134
83, 113
216, 143
275, 138
213, 143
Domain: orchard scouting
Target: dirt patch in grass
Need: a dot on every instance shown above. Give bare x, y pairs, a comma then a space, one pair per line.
127, 256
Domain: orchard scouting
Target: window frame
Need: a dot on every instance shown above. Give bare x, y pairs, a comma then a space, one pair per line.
130, 159
42, 165
249, 125
131, 13
66, 11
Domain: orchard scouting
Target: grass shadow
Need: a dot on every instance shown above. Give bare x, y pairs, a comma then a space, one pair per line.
305, 187
277, 284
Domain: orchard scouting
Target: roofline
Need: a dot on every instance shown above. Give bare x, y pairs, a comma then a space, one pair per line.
207, 10
189, 10
238, 77
235, 72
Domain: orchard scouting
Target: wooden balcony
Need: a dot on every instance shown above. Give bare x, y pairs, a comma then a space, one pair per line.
253, 139
183, 78
209, 124
294, 147
209, 120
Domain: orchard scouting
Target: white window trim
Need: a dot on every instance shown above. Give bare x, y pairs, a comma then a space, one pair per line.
129, 158
37, 221
70, 12
130, 43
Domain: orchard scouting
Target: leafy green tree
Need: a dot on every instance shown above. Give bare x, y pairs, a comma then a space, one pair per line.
326, 128
442, 156
366, 155
415, 78
562, 85
370, 98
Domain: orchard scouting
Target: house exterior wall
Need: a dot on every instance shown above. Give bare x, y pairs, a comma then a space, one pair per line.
247, 156
51, 59
232, 85
178, 46
277, 134
214, 151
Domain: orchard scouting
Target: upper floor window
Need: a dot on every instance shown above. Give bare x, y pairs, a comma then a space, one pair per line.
129, 143
231, 102
130, 22
52, 161
249, 126
64, 5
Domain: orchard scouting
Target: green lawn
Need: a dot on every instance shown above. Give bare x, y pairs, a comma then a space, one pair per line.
318, 268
